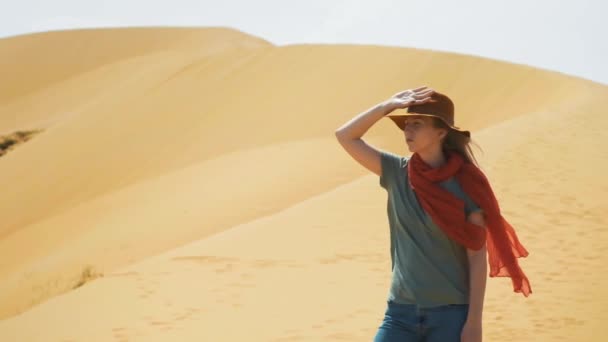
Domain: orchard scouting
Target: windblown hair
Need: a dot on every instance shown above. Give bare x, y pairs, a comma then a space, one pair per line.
458, 142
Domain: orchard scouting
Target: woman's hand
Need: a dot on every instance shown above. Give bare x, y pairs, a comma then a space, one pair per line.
471, 331
410, 97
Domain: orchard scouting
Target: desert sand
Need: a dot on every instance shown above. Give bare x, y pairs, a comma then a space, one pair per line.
186, 185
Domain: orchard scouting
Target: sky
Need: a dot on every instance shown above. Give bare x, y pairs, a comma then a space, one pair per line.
569, 37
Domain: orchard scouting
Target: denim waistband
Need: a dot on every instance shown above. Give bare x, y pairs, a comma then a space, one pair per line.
419, 308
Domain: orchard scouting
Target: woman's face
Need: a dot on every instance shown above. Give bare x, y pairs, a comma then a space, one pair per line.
420, 134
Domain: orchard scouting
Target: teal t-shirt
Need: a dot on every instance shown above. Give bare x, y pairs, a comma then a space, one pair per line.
428, 268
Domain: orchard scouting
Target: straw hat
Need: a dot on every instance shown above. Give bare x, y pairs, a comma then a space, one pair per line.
439, 106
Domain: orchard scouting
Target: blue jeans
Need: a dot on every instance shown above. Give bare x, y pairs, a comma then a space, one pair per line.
409, 322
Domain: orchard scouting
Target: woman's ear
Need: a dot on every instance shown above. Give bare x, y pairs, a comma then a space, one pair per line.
443, 133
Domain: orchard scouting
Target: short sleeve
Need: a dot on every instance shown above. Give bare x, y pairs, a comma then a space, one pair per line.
391, 164
470, 206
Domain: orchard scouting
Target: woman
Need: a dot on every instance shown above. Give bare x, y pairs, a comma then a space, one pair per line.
445, 222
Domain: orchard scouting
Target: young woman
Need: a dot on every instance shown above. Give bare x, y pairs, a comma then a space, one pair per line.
445, 222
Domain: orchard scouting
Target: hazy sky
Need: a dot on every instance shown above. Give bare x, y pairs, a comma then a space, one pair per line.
570, 37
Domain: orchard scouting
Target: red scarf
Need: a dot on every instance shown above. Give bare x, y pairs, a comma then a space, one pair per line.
447, 211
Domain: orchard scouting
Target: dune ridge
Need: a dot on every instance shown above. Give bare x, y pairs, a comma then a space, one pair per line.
34, 61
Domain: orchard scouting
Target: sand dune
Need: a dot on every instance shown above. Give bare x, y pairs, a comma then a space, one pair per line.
34, 61
193, 173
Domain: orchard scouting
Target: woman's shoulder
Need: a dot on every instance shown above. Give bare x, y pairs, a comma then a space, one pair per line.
395, 158
393, 169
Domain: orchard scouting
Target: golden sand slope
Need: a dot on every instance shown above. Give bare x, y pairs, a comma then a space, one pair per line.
200, 184
35, 61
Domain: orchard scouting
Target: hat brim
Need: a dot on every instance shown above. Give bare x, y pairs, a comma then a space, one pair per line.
399, 120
